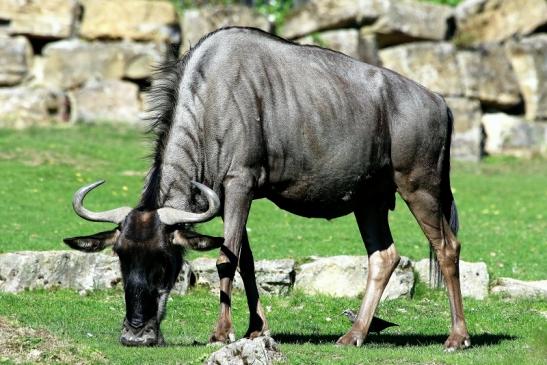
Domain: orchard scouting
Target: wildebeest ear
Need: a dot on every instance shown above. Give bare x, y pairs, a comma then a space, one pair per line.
196, 241
96, 242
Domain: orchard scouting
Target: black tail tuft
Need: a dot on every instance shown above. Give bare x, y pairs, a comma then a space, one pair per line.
448, 205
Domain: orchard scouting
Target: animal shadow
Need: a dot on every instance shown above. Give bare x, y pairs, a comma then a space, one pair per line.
406, 339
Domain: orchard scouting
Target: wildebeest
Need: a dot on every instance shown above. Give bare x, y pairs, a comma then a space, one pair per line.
246, 115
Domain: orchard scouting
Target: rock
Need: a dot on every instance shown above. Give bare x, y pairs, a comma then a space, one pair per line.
43, 18
70, 63
430, 64
508, 134
319, 15
529, 60
368, 47
272, 276
345, 276
15, 59
467, 136
139, 20
344, 40
198, 22
514, 288
107, 100
474, 277
25, 106
488, 76
258, 351
481, 21
30, 270
409, 21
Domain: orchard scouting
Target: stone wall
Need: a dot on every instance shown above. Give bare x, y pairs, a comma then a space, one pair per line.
90, 60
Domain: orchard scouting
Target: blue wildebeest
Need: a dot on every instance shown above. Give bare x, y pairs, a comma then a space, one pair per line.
246, 115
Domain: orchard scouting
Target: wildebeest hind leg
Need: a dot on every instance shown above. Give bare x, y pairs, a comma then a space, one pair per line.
382, 260
258, 326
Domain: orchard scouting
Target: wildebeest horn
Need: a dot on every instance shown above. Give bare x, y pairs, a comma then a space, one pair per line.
114, 216
171, 216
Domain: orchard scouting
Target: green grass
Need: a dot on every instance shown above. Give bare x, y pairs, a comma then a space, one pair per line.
502, 203
306, 327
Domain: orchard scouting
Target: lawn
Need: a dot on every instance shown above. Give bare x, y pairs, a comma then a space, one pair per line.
502, 204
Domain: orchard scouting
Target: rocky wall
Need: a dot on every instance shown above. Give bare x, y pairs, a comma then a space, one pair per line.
90, 60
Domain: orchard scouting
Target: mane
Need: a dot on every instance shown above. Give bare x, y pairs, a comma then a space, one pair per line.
162, 100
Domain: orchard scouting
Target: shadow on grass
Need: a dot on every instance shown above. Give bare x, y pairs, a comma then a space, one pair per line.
407, 339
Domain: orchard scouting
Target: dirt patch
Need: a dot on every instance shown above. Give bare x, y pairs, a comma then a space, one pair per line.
31, 157
23, 345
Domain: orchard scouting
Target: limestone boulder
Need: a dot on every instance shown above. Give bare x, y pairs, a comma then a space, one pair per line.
509, 134
106, 100
258, 351
474, 277
40, 18
198, 22
484, 21
25, 106
343, 40
487, 75
140, 20
319, 15
433, 65
346, 276
272, 276
514, 288
467, 137
15, 59
529, 60
31, 270
71, 63
409, 21
368, 47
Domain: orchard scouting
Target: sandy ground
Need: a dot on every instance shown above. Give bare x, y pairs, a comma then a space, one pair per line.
23, 345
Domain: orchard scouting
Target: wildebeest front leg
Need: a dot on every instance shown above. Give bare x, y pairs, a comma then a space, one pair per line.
382, 260
258, 325
237, 201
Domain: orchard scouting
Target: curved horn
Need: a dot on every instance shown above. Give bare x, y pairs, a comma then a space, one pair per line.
171, 216
114, 216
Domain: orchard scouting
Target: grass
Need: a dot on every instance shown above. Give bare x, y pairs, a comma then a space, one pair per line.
502, 205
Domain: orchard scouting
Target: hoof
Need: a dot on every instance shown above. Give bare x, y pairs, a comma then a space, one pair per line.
222, 337
351, 339
456, 342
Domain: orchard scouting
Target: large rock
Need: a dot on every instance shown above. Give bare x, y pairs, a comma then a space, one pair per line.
198, 22
70, 63
480, 21
25, 106
467, 136
409, 21
488, 76
40, 18
258, 351
30, 270
319, 15
343, 40
346, 276
15, 59
106, 100
514, 288
431, 64
474, 277
140, 20
508, 134
529, 60
272, 276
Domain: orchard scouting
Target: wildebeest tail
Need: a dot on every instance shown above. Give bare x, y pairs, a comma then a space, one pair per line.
449, 209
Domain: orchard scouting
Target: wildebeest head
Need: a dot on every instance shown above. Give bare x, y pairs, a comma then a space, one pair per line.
150, 245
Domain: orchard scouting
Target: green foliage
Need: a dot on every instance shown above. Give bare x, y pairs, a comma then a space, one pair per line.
445, 2
275, 10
